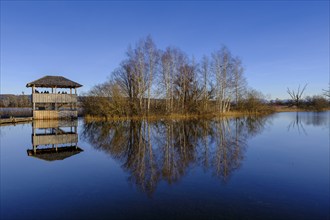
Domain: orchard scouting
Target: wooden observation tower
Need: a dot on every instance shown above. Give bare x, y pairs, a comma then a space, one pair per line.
53, 98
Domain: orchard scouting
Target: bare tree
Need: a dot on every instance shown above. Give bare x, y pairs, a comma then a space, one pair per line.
166, 71
205, 81
134, 75
172, 60
238, 80
186, 87
254, 102
326, 92
296, 95
138, 59
222, 70
127, 80
105, 100
151, 57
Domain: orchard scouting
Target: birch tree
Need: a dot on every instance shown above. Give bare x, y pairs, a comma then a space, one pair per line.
221, 68
239, 81
167, 70
151, 57
205, 79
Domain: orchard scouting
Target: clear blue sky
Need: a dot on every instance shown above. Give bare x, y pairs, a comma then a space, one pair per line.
282, 43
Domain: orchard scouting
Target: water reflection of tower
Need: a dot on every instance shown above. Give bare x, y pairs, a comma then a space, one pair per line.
54, 139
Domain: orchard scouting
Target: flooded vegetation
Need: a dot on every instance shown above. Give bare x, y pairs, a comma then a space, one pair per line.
272, 167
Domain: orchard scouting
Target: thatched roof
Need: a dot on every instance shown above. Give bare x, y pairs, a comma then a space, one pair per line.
54, 81
51, 154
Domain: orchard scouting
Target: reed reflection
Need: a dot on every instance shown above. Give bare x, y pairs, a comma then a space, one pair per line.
54, 139
154, 151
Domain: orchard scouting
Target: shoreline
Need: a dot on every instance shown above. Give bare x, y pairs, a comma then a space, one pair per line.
208, 116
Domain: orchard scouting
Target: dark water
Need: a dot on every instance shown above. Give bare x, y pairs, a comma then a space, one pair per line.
274, 167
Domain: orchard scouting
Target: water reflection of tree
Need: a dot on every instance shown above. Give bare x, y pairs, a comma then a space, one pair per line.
228, 153
231, 136
165, 150
315, 119
177, 145
296, 123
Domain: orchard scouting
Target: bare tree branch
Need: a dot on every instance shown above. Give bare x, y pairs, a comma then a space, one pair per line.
296, 95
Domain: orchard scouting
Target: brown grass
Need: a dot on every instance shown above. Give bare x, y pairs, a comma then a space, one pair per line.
294, 109
15, 112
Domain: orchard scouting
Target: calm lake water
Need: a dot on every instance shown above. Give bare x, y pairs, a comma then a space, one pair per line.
274, 167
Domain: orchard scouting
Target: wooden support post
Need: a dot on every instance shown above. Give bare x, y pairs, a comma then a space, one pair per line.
55, 101
33, 103
70, 99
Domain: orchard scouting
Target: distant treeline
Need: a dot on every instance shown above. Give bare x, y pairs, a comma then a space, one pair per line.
214, 84
13, 101
313, 103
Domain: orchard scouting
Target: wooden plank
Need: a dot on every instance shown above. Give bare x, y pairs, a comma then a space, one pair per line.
45, 114
54, 114
53, 98
54, 123
54, 139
